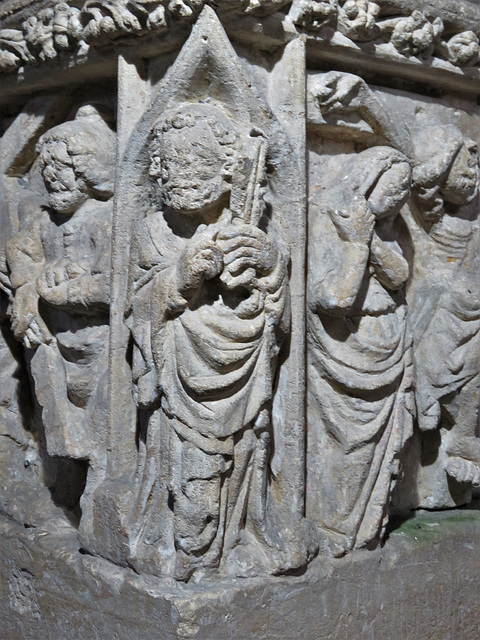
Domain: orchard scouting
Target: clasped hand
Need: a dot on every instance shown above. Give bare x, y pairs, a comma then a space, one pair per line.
52, 284
239, 253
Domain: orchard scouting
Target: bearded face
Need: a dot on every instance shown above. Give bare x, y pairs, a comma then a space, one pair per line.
66, 191
461, 185
193, 168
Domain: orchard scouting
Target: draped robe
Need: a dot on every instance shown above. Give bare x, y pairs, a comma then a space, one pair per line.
359, 373
203, 370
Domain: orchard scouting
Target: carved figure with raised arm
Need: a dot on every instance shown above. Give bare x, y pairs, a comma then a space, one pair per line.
443, 295
346, 102
446, 311
359, 353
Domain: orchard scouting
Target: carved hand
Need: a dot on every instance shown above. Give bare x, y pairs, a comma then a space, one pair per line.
246, 249
247, 246
389, 265
341, 92
200, 260
52, 284
5, 283
27, 325
355, 224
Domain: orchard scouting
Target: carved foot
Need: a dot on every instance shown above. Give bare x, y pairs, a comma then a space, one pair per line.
274, 552
333, 544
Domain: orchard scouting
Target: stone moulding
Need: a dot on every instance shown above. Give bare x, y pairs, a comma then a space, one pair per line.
390, 31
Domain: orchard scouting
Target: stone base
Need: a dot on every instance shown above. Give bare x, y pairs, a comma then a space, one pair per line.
423, 584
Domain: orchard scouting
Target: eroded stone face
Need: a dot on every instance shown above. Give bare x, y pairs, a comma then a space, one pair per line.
240, 305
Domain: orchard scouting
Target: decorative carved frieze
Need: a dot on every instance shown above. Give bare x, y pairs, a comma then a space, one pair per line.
64, 29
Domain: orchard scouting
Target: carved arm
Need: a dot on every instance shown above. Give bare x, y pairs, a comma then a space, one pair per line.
390, 266
344, 93
339, 258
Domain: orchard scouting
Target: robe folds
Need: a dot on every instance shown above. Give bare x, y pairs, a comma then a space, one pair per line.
203, 370
360, 397
447, 330
360, 374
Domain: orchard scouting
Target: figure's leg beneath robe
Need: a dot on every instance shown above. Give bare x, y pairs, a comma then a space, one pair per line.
247, 494
350, 478
451, 453
344, 475
197, 484
258, 537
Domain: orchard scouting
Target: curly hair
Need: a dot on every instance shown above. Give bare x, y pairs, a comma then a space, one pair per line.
188, 115
436, 148
91, 145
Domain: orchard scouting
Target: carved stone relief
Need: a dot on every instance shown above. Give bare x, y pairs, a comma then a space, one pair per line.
435, 238
55, 281
58, 266
241, 315
206, 300
447, 304
360, 394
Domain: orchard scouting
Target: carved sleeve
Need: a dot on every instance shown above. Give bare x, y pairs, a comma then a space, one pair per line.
92, 289
337, 269
152, 296
24, 253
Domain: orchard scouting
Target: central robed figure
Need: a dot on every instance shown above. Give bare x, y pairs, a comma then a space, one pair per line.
207, 309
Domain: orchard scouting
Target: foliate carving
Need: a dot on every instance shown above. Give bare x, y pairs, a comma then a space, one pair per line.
13, 50
354, 18
461, 49
42, 37
357, 19
311, 14
362, 21
108, 18
59, 270
66, 28
416, 34
52, 30
360, 374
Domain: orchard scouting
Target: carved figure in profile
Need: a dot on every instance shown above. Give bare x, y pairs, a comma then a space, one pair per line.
208, 311
446, 304
444, 298
59, 266
359, 354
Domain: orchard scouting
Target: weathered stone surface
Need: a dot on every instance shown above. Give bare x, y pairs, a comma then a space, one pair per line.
240, 316
423, 583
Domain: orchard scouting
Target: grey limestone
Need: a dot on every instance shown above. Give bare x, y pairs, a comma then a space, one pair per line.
240, 319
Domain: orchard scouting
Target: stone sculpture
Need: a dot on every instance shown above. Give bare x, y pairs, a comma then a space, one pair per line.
445, 183
447, 393
240, 316
360, 375
58, 266
207, 304
208, 310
